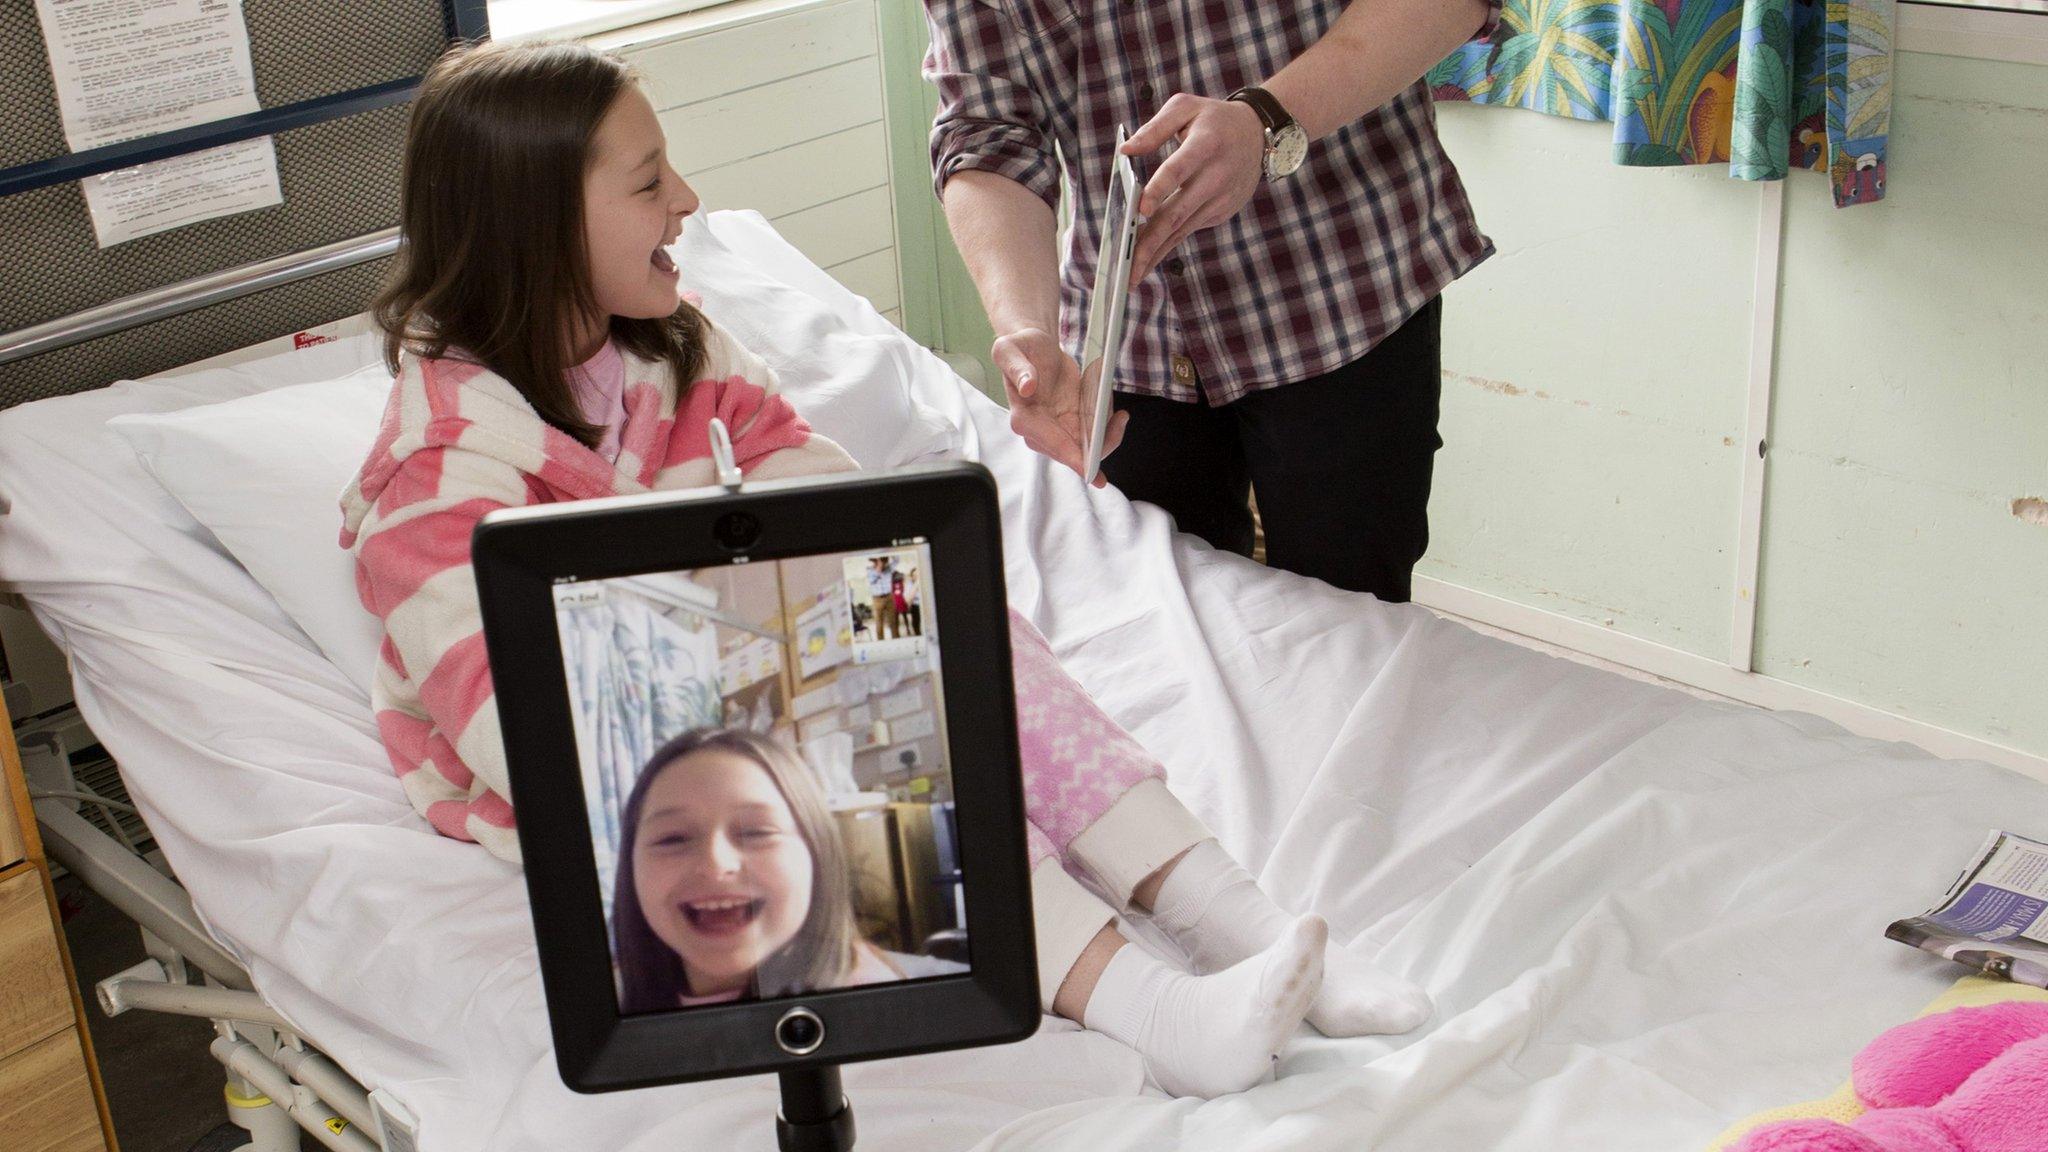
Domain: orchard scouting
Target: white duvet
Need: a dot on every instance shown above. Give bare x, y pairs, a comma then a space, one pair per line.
1641, 915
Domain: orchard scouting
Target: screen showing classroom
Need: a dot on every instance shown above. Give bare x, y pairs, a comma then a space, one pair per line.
764, 761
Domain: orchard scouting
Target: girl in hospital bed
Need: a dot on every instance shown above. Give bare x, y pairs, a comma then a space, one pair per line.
733, 882
543, 353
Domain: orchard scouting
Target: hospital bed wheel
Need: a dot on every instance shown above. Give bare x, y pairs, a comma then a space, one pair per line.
226, 1138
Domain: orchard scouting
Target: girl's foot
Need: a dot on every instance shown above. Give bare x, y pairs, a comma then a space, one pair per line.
1217, 913
1211, 1035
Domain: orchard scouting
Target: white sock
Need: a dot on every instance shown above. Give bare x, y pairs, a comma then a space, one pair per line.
1209, 1036
1217, 913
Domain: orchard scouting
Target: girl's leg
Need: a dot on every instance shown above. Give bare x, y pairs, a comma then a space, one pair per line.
1102, 803
1066, 918
1097, 794
1199, 1035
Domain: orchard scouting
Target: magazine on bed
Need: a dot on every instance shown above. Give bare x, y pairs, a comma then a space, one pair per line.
1995, 916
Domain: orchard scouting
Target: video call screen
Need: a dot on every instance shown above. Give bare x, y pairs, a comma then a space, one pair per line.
764, 759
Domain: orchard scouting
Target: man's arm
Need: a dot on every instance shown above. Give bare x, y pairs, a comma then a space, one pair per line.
995, 172
1374, 51
993, 164
1007, 237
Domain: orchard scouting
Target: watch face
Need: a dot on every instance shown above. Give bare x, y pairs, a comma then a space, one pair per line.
1288, 149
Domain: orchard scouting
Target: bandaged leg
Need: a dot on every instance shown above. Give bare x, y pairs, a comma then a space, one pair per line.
1217, 913
1065, 917
1199, 1035
1100, 800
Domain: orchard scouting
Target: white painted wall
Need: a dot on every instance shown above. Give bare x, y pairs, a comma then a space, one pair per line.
776, 105
1597, 368
1592, 400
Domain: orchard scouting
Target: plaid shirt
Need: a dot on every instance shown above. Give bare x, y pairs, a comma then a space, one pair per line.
1315, 269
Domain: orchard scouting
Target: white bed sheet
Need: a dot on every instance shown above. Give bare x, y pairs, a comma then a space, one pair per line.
1642, 915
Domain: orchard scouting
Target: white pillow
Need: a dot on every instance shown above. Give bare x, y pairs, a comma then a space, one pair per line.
264, 474
854, 387
94, 544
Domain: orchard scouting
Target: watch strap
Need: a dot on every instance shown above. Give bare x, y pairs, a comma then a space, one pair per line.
1270, 110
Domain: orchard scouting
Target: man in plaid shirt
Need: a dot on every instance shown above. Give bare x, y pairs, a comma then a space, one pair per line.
1282, 333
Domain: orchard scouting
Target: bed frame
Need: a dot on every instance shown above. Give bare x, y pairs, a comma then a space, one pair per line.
335, 82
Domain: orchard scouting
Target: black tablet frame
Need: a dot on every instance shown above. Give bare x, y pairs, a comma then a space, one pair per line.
520, 554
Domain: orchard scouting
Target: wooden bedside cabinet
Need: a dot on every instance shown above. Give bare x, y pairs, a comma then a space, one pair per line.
50, 1095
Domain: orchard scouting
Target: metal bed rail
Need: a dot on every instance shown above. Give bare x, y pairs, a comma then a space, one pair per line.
193, 294
279, 1085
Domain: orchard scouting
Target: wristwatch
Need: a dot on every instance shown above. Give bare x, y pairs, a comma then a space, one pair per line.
1286, 141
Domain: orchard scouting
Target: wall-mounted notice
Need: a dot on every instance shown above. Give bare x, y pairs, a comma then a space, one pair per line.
129, 68
151, 198
748, 665
823, 636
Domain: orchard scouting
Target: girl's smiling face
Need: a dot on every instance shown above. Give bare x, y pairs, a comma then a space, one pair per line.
722, 874
633, 208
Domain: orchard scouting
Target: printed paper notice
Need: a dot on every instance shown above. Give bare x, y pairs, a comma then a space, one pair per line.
129, 68
182, 190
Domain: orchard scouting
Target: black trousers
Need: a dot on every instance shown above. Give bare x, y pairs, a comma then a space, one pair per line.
1341, 464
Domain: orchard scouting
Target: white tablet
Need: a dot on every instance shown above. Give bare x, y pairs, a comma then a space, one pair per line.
1103, 345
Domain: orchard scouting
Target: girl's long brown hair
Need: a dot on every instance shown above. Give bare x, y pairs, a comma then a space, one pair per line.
823, 950
491, 261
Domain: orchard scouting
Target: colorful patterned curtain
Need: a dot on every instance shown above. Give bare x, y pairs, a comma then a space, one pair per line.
1765, 85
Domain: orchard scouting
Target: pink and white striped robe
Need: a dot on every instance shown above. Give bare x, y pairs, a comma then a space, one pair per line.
458, 441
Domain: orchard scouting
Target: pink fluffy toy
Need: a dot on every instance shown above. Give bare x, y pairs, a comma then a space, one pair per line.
1966, 1080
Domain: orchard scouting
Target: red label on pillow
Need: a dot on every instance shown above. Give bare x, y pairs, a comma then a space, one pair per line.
308, 339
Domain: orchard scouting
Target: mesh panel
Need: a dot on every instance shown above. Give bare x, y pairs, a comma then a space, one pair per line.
193, 336
306, 48
298, 49
339, 180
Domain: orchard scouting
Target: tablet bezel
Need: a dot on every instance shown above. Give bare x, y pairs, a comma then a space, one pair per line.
520, 554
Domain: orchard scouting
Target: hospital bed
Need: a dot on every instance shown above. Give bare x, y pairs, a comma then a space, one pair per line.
1641, 914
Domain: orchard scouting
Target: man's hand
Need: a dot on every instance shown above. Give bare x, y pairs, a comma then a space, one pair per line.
1217, 167
1049, 398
